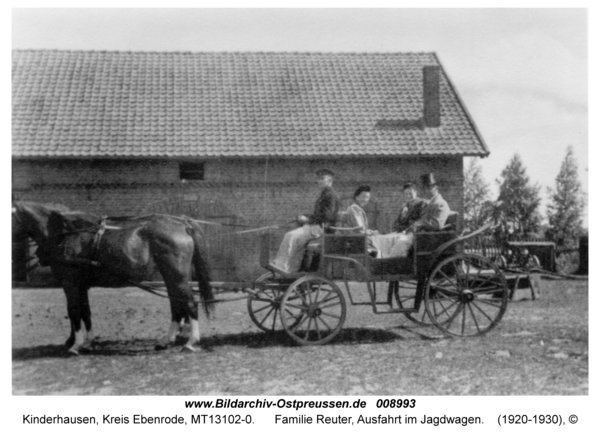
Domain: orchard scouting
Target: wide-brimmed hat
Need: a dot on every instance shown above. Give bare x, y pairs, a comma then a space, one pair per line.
325, 171
428, 180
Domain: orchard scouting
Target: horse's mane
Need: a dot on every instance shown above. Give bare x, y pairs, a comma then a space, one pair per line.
42, 206
71, 220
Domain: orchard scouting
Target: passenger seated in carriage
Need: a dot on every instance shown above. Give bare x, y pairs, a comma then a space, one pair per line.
416, 215
436, 212
291, 251
412, 209
355, 220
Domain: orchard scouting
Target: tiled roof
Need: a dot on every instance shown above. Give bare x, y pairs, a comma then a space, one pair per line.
96, 103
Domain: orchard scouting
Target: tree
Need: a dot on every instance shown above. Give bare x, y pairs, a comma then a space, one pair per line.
518, 200
567, 202
477, 197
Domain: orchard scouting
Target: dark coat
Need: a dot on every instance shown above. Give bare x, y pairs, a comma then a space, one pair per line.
410, 213
326, 209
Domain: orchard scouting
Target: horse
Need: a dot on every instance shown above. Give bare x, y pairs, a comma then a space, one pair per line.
83, 252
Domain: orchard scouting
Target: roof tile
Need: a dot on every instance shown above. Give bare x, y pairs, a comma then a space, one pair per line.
100, 103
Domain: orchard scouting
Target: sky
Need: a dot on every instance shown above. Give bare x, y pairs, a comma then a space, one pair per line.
522, 73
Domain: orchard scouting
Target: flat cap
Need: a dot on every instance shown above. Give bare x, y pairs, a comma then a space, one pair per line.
325, 171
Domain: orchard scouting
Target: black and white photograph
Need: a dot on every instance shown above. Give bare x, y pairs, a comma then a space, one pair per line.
358, 203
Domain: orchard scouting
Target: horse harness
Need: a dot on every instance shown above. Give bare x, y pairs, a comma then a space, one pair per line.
98, 231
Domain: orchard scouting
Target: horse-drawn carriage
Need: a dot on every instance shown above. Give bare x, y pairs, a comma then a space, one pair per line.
439, 283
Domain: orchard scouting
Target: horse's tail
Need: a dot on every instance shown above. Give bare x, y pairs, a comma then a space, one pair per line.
202, 268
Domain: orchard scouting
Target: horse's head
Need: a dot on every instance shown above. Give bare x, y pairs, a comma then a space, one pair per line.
31, 219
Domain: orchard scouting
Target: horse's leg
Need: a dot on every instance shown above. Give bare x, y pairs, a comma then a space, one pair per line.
175, 269
74, 310
86, 316
68, 294
192, 316
185, 329
183, 308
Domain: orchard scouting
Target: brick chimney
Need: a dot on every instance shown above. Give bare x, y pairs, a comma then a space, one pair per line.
431, 96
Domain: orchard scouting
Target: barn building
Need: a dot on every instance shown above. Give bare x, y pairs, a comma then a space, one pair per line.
233, 138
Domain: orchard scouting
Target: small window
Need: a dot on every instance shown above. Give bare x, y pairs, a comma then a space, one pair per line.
191, 170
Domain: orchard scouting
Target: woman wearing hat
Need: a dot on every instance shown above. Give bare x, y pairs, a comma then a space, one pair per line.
291, 251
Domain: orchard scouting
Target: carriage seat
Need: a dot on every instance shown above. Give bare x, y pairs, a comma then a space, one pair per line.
451, 222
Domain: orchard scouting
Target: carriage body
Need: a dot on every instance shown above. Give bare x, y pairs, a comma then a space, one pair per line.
437, 284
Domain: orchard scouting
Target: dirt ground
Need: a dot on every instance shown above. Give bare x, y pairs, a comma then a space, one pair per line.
539, 348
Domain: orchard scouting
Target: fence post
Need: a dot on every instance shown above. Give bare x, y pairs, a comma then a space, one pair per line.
583, 256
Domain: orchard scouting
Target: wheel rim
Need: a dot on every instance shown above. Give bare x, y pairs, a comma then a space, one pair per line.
313, 310
466, 295
264, 307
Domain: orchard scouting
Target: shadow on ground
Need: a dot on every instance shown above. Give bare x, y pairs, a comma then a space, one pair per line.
254, 340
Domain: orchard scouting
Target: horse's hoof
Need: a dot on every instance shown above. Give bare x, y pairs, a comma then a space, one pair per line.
188, 349
72, 352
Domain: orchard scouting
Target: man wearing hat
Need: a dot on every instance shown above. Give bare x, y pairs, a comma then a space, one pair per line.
436, 212
291, 251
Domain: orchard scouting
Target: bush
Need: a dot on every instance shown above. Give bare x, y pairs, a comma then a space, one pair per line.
567, 262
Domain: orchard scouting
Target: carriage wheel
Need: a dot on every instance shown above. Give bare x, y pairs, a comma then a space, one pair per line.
405, 298
264, 306
313, 310
466, 295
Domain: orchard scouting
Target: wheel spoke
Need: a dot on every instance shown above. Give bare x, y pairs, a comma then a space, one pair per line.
454, 315
460, 273
485, 290
442, 289
325, 323
301, 308
335, 316
296, 327
474, 318
266, 307
483, 312
317, 328
307, 331
309, 293
259, 299
491, 303
450, 281
274, 319
445, 310
301, 296
491, 280
405, 300
464, 318
334, 304
267, 315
